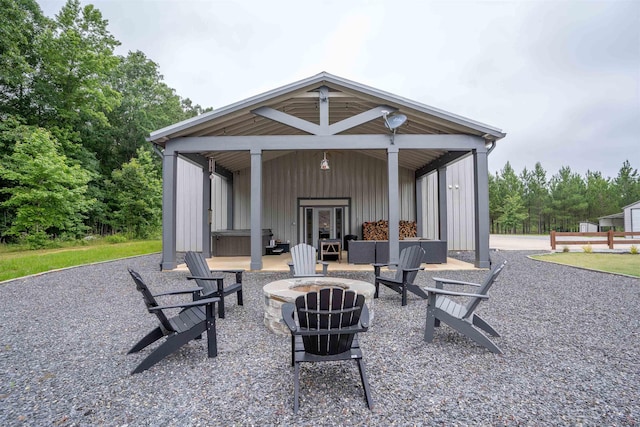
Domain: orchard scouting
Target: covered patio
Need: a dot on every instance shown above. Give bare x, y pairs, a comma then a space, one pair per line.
262, 154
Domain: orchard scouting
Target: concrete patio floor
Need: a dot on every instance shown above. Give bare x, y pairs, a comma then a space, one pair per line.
279, 263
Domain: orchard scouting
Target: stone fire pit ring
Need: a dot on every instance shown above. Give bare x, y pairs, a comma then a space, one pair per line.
287, 290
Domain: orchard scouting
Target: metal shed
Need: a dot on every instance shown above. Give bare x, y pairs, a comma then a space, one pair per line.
632, 217
267, 149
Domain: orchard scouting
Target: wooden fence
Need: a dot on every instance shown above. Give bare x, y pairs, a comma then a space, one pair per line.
596, 238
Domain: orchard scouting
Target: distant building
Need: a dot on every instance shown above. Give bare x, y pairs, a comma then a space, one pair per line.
632, 217
627, 220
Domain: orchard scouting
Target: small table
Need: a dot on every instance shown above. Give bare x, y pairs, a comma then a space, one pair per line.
331, 247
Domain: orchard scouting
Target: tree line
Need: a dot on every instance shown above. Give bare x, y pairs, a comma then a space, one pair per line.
533, 203
73, 122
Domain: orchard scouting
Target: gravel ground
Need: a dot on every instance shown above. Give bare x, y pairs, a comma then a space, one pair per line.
570, 339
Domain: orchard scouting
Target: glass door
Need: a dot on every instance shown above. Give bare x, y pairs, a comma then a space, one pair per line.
324, 222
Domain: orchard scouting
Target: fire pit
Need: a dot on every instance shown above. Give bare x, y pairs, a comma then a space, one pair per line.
287, 290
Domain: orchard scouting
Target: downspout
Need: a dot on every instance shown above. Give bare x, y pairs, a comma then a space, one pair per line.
490, 149
157, 150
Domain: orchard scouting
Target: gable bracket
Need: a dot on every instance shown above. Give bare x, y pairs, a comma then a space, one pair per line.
287, 119
359, 119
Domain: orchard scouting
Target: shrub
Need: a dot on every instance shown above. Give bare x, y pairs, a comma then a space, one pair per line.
565, 249
634, 249
37, 240
116, 238
587, 249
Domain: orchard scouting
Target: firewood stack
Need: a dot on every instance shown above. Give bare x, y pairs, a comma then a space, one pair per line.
379, 230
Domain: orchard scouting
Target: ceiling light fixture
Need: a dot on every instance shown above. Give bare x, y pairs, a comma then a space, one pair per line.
324, 163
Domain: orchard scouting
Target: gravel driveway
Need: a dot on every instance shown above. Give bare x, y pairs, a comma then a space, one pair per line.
570, 339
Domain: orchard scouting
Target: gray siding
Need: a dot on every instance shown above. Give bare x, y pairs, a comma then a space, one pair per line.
297, 175
219, 197
430, 207
460, 205
188, 207
632, 217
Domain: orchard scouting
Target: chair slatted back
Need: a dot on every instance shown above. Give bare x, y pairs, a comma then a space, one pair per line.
328, 309
484, 289
198, 266
410, 257
304, 259
150, 301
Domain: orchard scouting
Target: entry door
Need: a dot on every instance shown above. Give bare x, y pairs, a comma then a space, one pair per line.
324, 222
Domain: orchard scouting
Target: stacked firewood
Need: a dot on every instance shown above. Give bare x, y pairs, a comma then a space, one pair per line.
379, 230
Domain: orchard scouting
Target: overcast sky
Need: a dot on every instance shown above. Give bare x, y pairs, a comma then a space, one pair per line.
561, 78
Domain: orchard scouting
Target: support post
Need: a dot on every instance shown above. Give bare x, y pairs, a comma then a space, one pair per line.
169, 178
256, 209
419, 207
206, 213
481, 169
394, 205
443, 227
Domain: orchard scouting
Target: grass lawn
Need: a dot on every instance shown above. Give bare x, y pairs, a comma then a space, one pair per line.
613, 263
24, 263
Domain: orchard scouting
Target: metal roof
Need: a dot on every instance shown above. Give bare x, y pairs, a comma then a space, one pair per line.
300, 99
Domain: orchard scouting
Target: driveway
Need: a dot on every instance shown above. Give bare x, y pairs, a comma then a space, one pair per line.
518, 242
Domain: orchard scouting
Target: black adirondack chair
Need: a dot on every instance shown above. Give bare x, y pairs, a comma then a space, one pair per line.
407, 269
194, 319
212, 281
329, 321
461, 317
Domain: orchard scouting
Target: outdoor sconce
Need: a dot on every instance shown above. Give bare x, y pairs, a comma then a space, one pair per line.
324, 163
393, 122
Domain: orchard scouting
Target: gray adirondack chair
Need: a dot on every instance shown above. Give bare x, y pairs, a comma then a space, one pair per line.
304, 260
407, 269
461, 317
329, 323
212, 281
194, 319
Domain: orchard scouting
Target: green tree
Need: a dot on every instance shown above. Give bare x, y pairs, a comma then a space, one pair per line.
538, 196
600, 196
627, 185
494, 201
568, 201
136, 197
47, 195
507, 184
147, 104
513, 212
21, 23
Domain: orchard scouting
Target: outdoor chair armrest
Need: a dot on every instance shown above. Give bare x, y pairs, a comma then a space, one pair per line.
412, 269
378, 264
205, 301
453, 293
364, 317
239, 270
454, 282
287, 315
323, 332
204, 278
179, 291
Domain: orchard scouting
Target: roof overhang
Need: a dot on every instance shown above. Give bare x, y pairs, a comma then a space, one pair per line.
295, 110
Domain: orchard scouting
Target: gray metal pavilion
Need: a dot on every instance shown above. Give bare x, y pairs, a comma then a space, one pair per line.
324, 112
